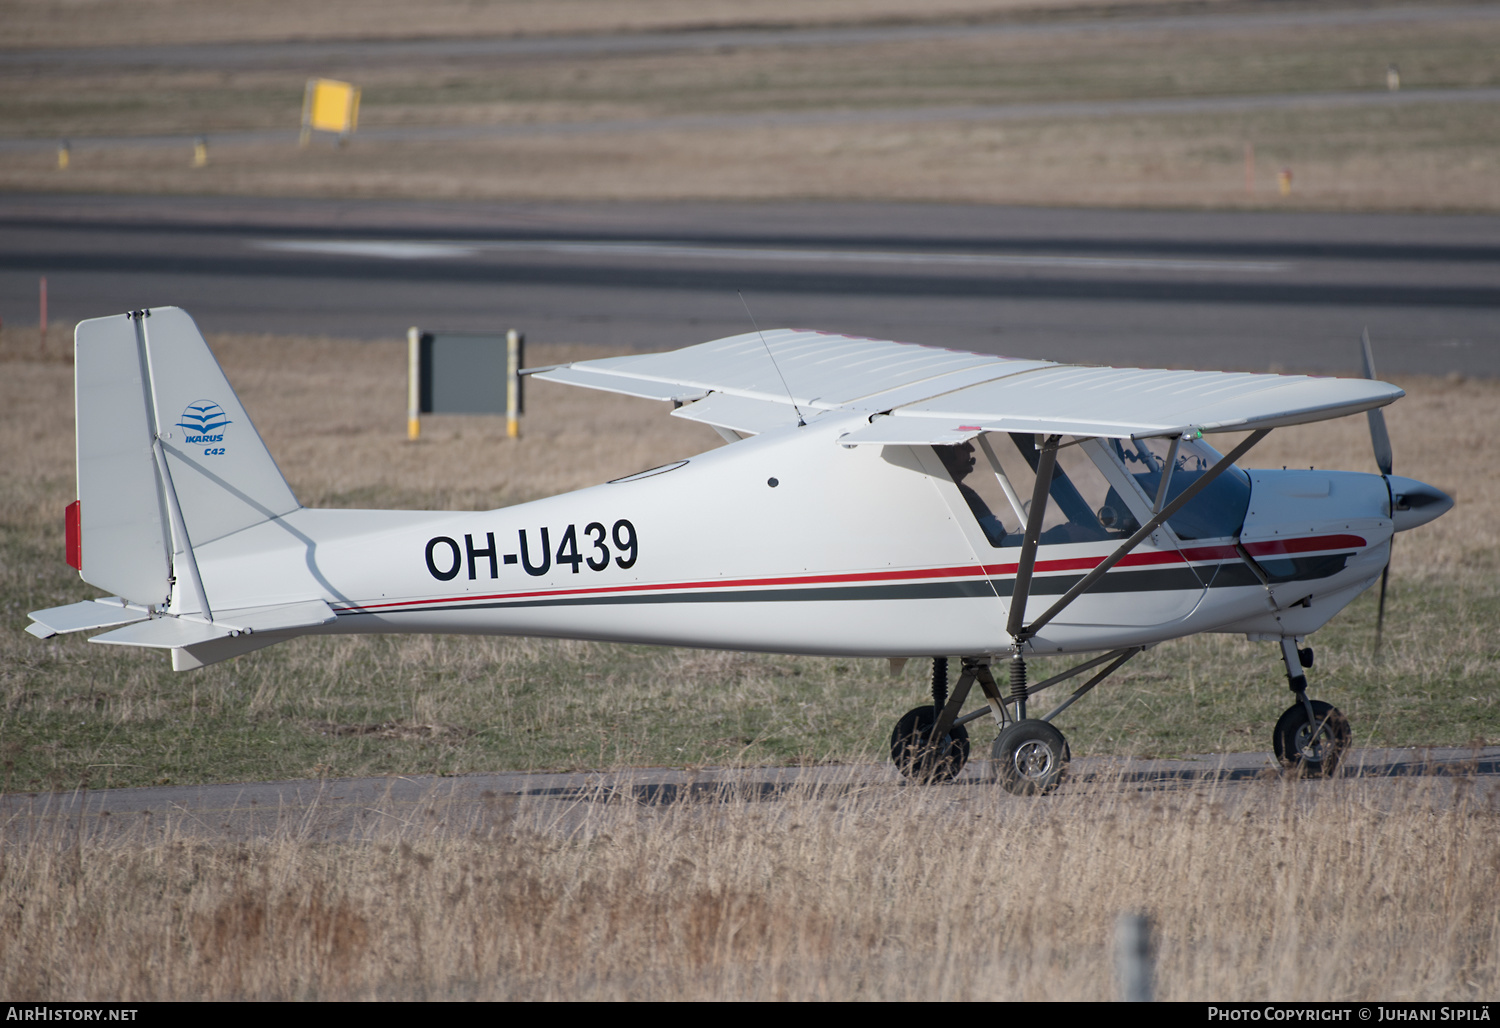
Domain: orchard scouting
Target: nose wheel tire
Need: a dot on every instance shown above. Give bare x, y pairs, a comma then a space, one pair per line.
918, 758
1030, 757
1312, 748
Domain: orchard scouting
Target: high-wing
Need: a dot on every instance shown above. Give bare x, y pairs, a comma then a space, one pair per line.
922, 394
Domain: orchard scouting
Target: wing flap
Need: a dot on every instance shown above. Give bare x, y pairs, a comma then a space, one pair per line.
649, 389
739, 413
917, 430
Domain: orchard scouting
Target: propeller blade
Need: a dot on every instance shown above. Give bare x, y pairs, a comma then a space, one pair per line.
1380, 609
1381, 440
1379, 437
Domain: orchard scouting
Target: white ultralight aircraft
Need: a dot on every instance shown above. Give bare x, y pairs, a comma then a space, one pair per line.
878, 499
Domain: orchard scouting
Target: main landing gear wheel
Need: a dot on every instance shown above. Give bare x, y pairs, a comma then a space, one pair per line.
1030, 757
1313, 748
917, 758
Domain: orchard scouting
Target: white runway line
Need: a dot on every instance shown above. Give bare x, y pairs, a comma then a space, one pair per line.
426, 250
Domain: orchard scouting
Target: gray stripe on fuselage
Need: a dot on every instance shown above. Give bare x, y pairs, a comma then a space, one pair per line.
1145, 580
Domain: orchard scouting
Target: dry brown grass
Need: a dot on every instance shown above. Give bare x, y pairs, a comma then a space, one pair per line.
1439, 156
1418, 158
1339, 891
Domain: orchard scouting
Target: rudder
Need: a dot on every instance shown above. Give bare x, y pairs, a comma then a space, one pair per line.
160, 428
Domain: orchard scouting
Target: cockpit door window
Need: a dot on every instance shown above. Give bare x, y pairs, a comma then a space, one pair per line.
996, 479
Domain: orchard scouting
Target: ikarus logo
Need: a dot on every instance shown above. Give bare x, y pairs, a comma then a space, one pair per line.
204, 421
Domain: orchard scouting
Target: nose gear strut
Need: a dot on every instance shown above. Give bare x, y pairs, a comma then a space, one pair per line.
1311, 737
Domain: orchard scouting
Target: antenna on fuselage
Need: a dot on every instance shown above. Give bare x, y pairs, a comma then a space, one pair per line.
801, 423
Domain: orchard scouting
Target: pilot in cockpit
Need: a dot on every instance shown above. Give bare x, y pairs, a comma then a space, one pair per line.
959, 460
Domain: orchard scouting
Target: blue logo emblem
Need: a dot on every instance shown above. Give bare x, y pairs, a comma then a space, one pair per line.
204, 422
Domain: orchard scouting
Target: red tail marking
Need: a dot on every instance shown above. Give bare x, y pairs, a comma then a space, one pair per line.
73, 521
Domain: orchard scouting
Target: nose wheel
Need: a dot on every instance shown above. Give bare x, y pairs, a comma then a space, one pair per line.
1311, 737
1311, 743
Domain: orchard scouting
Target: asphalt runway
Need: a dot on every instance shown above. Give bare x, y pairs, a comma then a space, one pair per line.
1246, 291
368, 808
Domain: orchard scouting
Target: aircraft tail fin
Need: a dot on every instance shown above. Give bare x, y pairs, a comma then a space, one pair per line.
167, 459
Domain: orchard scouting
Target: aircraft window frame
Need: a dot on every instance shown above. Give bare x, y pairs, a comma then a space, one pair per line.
1017, 505
1120, 480
1207, 456
1070, 513
987, 524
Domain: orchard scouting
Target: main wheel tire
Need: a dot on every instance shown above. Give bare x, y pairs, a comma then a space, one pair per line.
916, 757
1030, 757
1312, 748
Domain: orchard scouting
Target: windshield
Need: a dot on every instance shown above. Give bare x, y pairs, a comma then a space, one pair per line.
996, 474
1216, 512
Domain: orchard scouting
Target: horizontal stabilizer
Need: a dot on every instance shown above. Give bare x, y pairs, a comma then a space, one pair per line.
163, 633
174, 632
79, 617
275, 619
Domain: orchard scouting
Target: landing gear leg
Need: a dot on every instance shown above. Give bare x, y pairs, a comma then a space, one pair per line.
1311, 737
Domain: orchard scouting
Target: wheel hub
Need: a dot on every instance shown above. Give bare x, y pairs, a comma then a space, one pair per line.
1034, 760
1310, 740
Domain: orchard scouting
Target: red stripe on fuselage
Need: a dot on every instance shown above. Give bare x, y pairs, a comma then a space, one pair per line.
1273, 547
1155, 557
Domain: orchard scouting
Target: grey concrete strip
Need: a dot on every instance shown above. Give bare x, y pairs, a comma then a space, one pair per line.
369, 808
1057, 110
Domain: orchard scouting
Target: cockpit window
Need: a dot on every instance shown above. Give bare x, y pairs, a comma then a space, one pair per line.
982, 492
996, 473
1216, 512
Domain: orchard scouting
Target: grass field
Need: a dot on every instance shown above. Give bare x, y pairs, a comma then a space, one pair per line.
1431, 156
332, 413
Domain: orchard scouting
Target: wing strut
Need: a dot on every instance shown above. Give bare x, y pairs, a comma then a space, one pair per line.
1020, 635
1039, 493
1166, 473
